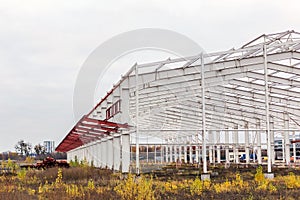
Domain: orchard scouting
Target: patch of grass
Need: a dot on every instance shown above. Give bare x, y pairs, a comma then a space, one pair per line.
84, 182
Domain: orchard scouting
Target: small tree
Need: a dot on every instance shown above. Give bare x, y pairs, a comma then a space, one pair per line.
23, 148
39, 149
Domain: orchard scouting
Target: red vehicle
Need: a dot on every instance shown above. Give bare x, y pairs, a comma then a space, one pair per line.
292, 158
51, 162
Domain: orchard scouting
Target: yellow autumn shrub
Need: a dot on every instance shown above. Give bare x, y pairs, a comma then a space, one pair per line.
132, 188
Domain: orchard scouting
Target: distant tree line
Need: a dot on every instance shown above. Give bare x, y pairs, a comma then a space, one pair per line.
25, 149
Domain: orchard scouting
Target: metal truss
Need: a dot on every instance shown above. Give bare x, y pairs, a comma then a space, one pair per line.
235, 84
255, 87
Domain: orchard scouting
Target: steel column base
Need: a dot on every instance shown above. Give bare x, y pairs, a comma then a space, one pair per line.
269, 175
205, 177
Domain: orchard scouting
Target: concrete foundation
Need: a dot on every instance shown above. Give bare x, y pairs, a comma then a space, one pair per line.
269, 175
205, 177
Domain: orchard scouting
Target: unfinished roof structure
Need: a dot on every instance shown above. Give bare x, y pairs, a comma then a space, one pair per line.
240, 98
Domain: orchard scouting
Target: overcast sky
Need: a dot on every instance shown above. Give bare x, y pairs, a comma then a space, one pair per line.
43, 44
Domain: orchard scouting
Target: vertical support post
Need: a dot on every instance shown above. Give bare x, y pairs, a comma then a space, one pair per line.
218, 141
147, 151
233, 146
103, 155
267, 107
258, 135
171, 150
272, 140
87, 153
218, 154
247, 148
213, 147
137, 153
294, 147
125, 152
236, 141
191, 154
203, 117
90, 152
197, 150
176, 152
286, 139
185, 153
227, 147
99, 154
167, 154
81, 154
210, 147
161, 154
94, 158
283, 148
180, 152
154, 153
117, 153
110, 153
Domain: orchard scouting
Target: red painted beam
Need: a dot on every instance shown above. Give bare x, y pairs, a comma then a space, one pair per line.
295, 141
84, 132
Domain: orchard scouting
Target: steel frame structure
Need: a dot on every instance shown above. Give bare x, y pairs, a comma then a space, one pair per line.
208, 100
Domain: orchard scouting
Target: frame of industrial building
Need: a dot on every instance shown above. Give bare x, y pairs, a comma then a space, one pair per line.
188, 108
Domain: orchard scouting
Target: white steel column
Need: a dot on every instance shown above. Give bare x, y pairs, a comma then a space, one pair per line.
258, 135
104, 154
247, 147
185, 153
218, 154
81, 154
294, 147
110, 153
154, 153
161, 154
175, 153
167, 155
191, 154
286, 139
88, 153
218, 141
203, 116
99, 154
93, 154
272, 140
70, 155
171, 150
125, 152
117, 153
147, 152
197, 150
179, 152
227, 147
267, 110
210, 147
234, 145
237, 159
214, 147
137, 151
